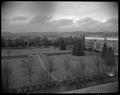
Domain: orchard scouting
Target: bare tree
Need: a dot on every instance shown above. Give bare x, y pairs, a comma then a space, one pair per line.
80, 70
43, 76
6, 73
50, 66
67, 65
28, 65
6, 76
99, 67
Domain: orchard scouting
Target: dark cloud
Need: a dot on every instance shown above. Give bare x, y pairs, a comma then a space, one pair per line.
111, 8
89, 24
111, 24
87, 21
8, 8
40, 20
20, 18
12, 8
46, 7
62, 22
112, 21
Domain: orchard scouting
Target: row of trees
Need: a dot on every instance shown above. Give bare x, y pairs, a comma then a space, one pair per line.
22, 43
13, 43
78, 45
60, 42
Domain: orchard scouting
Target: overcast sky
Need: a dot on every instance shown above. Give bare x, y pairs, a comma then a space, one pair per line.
21, 16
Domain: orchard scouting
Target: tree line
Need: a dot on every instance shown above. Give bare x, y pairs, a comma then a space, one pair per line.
19, 42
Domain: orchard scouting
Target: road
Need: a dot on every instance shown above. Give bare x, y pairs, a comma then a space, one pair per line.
103, 88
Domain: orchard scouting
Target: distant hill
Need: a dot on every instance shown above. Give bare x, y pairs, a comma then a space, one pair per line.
96, 34
5, 34
38, 33
8, 35
35, 34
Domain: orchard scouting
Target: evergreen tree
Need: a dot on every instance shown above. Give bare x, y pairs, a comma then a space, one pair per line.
79, 46
108, 56
74, 47
62, 44
84, 43
104, 51
3, 42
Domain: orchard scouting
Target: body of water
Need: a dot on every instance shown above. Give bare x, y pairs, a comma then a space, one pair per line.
101, 38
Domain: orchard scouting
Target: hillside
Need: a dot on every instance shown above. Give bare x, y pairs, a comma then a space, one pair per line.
35, 34
7, 34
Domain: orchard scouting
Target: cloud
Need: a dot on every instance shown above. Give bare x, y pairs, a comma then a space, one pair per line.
44, 23
112, 21
20, 20
4, 23
111, 25
89, 24
40, 20
12, 8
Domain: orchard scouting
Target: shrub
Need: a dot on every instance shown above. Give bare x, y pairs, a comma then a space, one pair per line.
45, 41
25, 89
12, 91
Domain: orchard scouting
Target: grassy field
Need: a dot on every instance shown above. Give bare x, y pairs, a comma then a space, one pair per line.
19, 79
28, 51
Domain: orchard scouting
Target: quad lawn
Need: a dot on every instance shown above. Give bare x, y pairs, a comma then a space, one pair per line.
19, 79
28, 51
